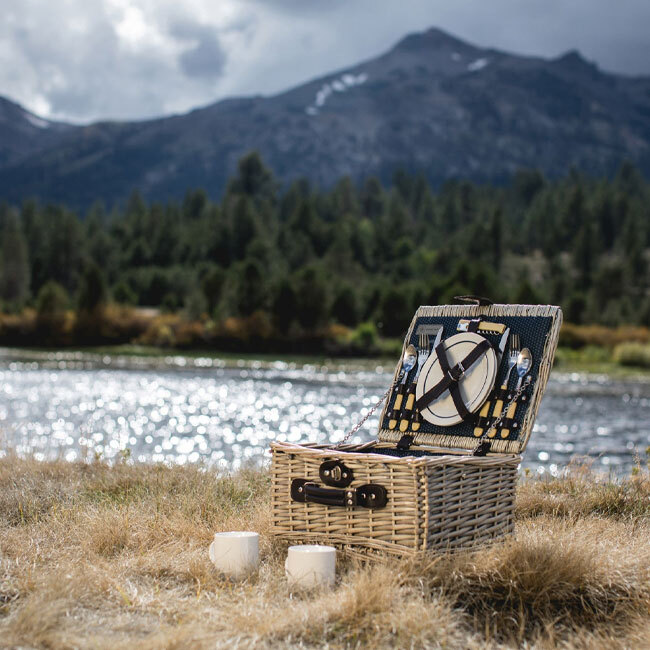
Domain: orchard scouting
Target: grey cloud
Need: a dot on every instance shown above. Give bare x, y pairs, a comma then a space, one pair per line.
206, 58
302, 6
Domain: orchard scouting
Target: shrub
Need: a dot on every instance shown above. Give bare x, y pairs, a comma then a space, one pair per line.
632, 354
578, 336
51, 304
196, 305
365, 335
123, 294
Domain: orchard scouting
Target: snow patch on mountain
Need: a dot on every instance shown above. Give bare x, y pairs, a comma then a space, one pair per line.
37, 121
477, 65
340, 85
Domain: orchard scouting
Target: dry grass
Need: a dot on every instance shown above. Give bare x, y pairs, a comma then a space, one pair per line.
97, 556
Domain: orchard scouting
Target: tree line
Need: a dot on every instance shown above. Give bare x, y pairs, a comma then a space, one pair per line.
305, 258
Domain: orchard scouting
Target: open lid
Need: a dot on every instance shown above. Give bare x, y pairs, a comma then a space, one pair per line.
536, 327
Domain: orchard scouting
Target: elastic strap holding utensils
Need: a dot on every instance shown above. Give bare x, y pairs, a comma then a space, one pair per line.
452, 376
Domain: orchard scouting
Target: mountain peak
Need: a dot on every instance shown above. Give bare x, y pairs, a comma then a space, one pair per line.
574, 59
430, 39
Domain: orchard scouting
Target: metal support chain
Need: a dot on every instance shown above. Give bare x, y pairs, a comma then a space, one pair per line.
365, 417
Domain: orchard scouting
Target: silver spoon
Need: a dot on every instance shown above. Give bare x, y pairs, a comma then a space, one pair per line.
524, 364
408, 361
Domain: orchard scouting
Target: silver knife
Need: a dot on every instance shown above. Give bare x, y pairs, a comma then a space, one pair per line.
485, 409
502, 346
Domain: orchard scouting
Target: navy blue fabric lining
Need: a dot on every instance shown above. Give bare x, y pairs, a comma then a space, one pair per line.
533, 332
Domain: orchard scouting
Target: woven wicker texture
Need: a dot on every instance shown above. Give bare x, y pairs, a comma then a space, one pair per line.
443, 502
538, 327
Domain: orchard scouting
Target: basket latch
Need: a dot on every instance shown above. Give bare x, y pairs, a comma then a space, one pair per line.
482, 449
405, 442
335, 473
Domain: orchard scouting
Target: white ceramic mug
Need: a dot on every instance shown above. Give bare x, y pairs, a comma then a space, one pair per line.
310, 566
235, 553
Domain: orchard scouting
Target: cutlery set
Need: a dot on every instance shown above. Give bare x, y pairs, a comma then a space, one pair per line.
403, 410
522, 361
454, 379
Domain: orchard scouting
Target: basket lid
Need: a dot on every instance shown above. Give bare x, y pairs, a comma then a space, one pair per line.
460, 403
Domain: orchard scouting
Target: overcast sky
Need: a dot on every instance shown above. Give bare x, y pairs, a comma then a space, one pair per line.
83, 60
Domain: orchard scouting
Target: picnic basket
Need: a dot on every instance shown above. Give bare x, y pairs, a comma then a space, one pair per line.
425, 487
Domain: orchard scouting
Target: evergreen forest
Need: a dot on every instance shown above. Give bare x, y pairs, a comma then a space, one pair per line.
300, 259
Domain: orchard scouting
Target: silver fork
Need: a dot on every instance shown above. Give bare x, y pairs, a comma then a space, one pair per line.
513, 353
423, 354
515, 349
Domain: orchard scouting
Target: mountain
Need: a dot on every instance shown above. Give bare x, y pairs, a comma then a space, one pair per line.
22, 133
433, 103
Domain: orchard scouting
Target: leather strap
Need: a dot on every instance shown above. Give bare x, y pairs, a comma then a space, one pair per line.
472, 324
452, 376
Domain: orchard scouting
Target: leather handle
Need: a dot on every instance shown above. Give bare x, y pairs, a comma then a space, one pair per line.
474, 300
365, 496
325, 496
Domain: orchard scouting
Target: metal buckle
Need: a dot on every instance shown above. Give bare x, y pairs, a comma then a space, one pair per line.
452, 372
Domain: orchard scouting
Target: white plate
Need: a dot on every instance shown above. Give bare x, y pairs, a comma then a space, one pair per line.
475, 386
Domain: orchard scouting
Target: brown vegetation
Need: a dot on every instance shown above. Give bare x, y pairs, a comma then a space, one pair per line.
578, 336
99, 556
114, 324
118, 324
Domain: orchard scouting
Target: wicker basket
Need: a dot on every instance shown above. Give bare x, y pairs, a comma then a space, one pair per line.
375, 499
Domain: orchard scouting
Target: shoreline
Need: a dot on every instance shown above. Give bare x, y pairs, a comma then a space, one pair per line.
139, 356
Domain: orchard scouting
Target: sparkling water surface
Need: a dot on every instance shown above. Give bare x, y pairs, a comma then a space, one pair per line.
178, 409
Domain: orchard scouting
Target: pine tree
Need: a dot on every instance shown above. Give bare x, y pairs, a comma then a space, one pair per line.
254, 179
251, 293
244, 226
93, 294
344, 307
283, 309
14, 268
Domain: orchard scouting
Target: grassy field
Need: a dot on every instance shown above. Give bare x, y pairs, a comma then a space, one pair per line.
100, 556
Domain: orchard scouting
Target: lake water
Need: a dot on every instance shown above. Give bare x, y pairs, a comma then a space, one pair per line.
178, 409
